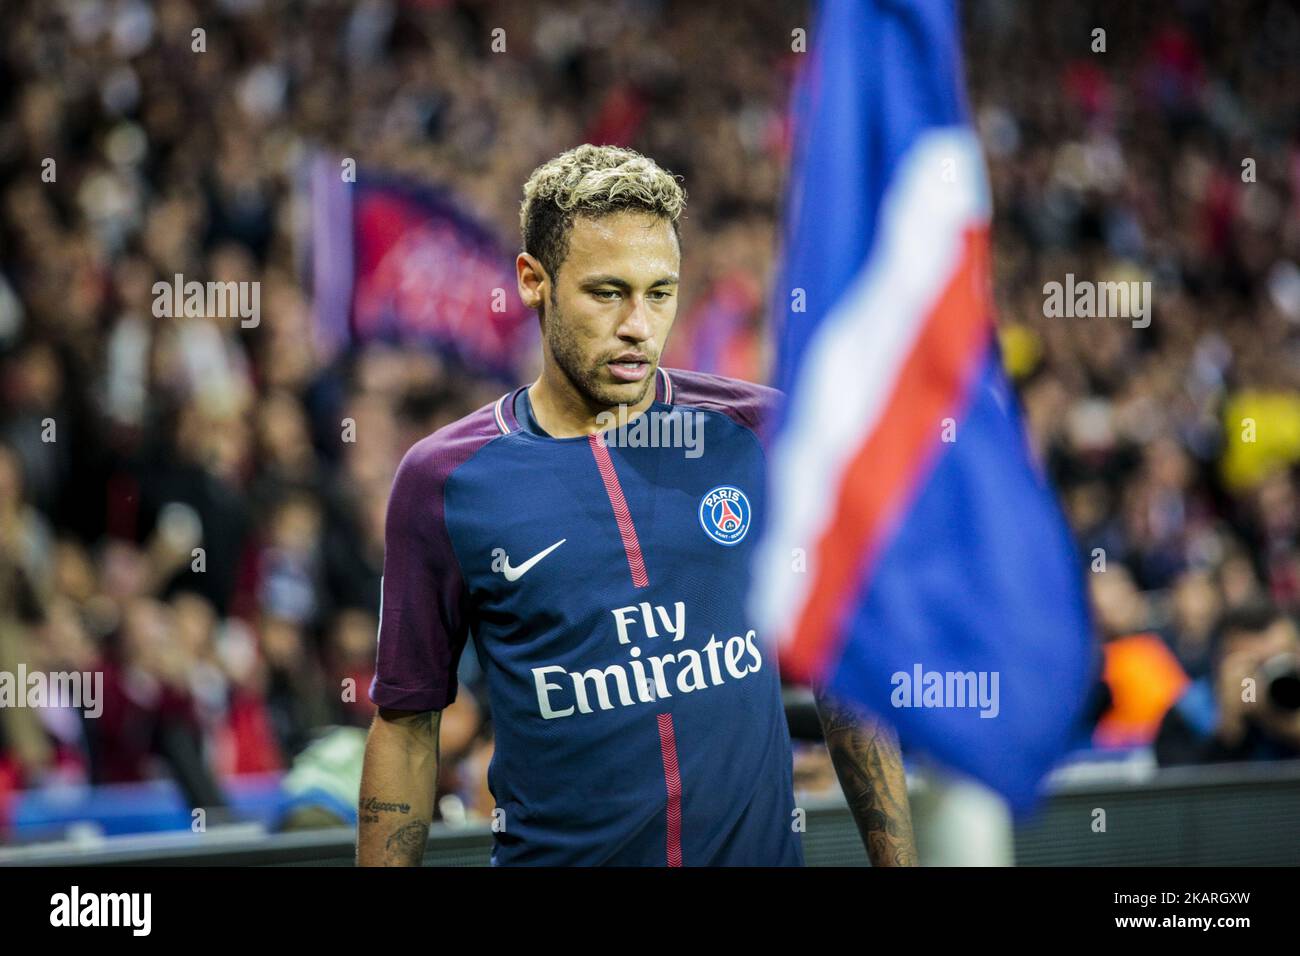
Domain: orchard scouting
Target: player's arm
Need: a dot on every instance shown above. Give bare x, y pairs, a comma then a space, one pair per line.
422, 630
398, 781
870, 768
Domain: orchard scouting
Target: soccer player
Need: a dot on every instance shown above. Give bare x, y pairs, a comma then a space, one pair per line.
593, 531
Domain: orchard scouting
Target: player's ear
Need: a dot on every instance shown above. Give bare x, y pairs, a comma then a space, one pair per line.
532, 280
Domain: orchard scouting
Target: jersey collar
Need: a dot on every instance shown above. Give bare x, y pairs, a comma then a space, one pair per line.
507, 421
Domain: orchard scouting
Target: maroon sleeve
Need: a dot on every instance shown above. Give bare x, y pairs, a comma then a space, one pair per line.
422, 616
753, 406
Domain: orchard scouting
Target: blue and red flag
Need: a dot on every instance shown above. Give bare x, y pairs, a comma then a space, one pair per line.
402, 262
913, 546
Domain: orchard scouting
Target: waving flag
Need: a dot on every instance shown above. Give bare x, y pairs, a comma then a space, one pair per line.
915, 559
401, 262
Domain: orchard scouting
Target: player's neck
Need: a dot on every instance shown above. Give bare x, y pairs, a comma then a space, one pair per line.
564, 412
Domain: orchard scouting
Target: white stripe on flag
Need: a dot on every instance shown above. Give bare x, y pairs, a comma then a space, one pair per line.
850, 365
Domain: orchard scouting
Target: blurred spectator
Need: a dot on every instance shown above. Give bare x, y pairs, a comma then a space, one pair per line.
1141, 675
1248, 707
1195, 608
149, 713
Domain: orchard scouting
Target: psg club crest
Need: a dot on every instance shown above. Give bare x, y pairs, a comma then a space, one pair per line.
724, 514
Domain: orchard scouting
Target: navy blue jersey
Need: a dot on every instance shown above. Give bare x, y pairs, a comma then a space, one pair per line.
637, 714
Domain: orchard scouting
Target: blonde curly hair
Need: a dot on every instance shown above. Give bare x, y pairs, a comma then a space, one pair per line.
592, 181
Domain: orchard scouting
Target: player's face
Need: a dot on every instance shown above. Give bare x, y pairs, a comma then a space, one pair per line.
614, 305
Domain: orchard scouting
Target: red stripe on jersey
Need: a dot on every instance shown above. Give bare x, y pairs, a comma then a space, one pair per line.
673, 781
626, 530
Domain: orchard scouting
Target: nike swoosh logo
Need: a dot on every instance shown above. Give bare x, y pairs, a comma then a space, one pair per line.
515, 573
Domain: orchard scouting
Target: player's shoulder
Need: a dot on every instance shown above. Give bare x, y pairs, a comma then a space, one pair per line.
746, 403
430, 461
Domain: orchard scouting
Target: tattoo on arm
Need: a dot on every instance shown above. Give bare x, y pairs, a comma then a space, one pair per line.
371, 807
405, 845
867, 761
398, 788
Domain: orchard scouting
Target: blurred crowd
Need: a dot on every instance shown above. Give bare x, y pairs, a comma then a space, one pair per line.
1163, 149
179, 510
